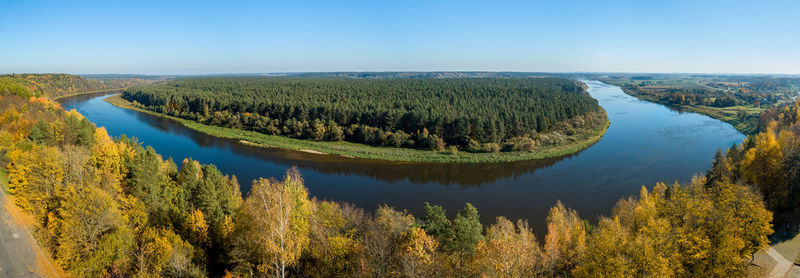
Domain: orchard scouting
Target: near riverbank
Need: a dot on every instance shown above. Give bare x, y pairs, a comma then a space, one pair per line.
573, 144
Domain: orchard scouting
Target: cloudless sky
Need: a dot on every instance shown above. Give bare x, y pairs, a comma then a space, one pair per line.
189, 37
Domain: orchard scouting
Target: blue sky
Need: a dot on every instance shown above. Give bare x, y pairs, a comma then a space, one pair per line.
189, 37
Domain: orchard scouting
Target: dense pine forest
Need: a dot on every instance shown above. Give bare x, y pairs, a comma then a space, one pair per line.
110, 207
475, 114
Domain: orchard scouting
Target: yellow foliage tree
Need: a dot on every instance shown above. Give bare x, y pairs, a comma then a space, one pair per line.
649, 246
380, 243
678, 231
88, 214
417, 253
762, 166
510, 251
36, 178
332, 245
606, 254
107, 157
153, 252
276, 215
565, 241
197, 226
14, 123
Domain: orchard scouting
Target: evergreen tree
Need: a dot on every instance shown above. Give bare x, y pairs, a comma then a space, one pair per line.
467, 232
436, 224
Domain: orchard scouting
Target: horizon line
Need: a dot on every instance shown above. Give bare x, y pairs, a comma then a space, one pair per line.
414, 71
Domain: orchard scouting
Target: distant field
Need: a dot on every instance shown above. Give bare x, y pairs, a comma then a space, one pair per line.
662, 83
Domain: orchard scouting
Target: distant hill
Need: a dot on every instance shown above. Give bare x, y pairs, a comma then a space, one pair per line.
118, 77
59, 85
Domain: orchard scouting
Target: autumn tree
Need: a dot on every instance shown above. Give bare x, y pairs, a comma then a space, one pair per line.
36, 177
762, 167
94, 238
381, 248
565, 241
606, 252
106, 156
275, 224
152, 252
333, 244
510, 251
417, 252
700, 229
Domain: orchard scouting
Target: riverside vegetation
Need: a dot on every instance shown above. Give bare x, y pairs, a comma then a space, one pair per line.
108, 207
487, 119
735, 99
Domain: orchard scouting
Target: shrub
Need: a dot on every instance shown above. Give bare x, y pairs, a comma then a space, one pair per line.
491, 148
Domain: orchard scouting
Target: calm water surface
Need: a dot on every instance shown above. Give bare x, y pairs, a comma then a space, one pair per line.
645, 143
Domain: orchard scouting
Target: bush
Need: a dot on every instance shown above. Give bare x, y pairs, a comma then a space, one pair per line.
453, 150
437, 143
491, 148
474, 146
519, 144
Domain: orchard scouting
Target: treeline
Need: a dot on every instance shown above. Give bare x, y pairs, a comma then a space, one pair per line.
424, 74
770, 160
477, 114
58, 85
763, 85
114, 208
722, 93
693, 96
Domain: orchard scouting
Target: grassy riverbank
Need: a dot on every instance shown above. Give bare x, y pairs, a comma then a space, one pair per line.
347, 149
747, 125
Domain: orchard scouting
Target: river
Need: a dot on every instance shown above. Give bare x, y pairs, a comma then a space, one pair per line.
646, 143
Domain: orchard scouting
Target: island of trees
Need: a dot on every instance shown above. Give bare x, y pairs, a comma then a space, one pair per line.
484, 117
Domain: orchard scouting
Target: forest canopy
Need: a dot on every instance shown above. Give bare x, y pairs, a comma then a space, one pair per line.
415, 113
